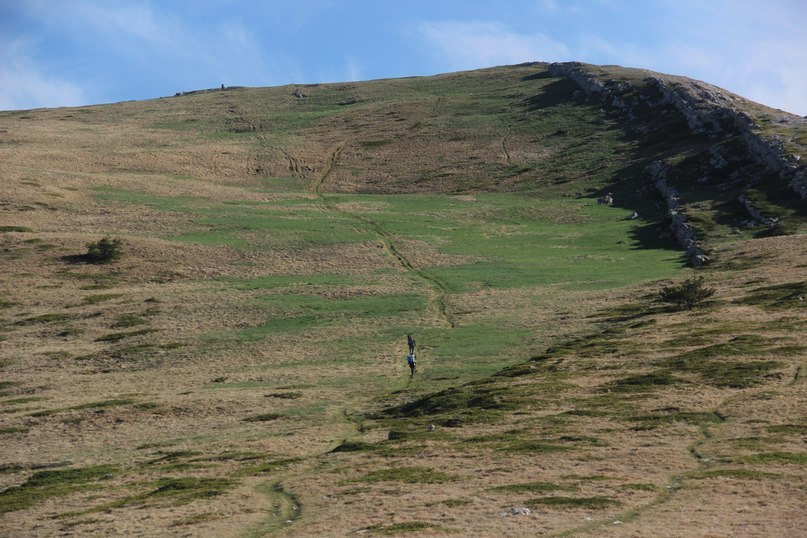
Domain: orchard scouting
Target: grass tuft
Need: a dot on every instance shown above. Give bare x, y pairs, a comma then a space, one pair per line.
115, 337
597, 502
264, 417
392, 529
43, 485
534, 487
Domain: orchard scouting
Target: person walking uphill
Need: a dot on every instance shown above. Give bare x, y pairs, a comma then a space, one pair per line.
411, 358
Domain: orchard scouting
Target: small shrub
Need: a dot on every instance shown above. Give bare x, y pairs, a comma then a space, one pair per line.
106, 250
688, 294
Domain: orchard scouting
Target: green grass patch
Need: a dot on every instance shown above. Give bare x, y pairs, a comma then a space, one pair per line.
638, 486
104, 403
21, 229
737, 474
174, 455
655, 420
14, 429
173, 492
525, 446
394, 529
101, 297
785, 458
23, 400
713, 364
453, 503
91, 405
642, 382
44, 485
467, 402
597, 502
793, 429
264, 417
270, 467
355, 446
286, 395
780, 296
55, 317
115, 337
534, 487
6, 386
236, 456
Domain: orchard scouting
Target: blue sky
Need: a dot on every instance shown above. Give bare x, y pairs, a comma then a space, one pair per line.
75, 52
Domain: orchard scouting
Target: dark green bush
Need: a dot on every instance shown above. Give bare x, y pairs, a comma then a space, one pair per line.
688, 294
105, 250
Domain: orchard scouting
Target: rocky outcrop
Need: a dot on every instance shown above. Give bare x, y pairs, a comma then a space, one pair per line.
679, 224
756, 214
707, 109
799, 185
608, 90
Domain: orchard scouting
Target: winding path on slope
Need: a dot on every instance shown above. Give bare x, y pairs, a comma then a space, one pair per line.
505, 152
287, 507
439, 288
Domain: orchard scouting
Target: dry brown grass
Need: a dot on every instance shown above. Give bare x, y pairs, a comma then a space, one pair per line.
190, 401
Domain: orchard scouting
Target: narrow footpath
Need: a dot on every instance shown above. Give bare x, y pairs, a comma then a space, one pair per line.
440, 289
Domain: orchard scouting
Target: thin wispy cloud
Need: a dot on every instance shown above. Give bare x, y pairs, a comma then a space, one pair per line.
138, 44
25, 83
756, 50
472, 44
108, 50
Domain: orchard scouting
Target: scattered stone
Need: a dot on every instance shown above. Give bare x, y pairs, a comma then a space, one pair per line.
520, 510
756, 214
675, 210
452, 422
608, 199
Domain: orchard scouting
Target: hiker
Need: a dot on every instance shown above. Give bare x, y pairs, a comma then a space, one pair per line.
411, 341
410, 360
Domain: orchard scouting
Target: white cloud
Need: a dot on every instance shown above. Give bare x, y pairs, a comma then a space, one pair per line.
25, 84
156, 45
757, 50
116, 22
353, 71
468, 45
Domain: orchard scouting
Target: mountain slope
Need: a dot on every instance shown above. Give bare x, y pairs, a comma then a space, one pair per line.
537, 128
240, 369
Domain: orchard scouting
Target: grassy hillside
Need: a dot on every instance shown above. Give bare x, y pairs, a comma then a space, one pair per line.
240, 369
